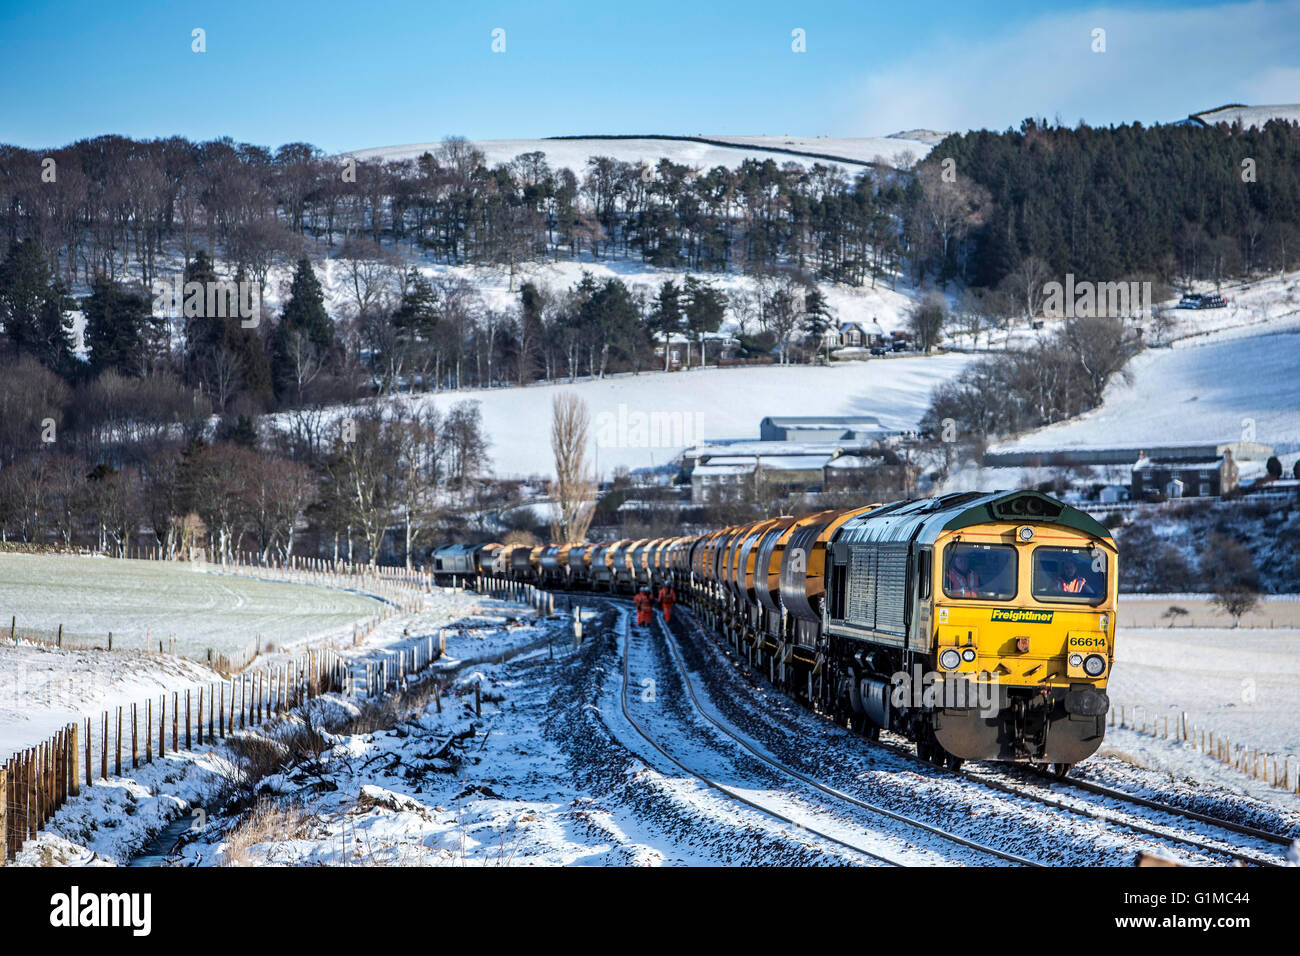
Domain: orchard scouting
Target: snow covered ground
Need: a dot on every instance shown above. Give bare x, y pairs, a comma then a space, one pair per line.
1240, 682
574, 153
1250, 115
704, 404
43, 689
142, 602
111, 820
1200, 391
551, 773
1227, 368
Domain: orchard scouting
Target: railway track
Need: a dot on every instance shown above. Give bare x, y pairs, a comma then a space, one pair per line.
1041, 793
767, 760
714, 785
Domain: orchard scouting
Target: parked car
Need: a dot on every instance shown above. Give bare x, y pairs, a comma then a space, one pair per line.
1202, 300
879, 350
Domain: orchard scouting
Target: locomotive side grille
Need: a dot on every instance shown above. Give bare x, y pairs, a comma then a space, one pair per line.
862, 587
891, 597
877, 588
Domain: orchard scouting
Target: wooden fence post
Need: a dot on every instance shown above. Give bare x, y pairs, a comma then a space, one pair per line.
148, 730
135, 739
4, 813
117, 760
74, 771
29, 794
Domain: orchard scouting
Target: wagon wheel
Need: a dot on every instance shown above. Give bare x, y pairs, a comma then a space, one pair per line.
1060, 770
953, 762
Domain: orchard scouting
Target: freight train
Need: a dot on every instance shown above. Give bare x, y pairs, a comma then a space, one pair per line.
978, 625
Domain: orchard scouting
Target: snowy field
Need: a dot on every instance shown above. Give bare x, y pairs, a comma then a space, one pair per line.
1244, 683
42, 689
1251, 115
1226, 366
711, 403
112, 820
1198, 392
143, 602
574, 153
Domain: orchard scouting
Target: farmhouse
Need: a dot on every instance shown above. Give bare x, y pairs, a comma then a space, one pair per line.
1184, 477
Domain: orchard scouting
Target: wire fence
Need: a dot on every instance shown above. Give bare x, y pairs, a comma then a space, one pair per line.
1277, 770
36, 781
401, 590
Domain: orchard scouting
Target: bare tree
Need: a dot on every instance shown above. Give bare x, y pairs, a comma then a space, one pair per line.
259, 245
280, 493
926, 319
363, 471
574, 491
949, 207
783, 312
220, 493
420, 473
374, 276
1103, 346
1025, 282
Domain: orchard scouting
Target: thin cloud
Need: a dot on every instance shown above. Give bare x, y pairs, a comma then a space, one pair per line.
1159, 66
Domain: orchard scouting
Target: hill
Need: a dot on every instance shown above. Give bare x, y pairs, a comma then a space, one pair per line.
694, 151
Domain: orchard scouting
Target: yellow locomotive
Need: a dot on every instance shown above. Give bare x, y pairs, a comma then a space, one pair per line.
979, 625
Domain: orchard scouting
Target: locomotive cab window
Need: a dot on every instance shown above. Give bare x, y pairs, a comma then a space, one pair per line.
985, 572
1070, 575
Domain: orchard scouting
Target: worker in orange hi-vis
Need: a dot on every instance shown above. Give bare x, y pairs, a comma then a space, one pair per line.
667, 598
644, 607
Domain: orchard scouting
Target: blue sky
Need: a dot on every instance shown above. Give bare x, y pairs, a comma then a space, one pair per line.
383, 72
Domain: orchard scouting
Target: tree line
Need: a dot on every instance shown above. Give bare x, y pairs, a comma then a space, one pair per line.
96, 463
1000, 213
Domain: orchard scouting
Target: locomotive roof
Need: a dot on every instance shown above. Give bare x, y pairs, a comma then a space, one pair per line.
456, 548
926, 518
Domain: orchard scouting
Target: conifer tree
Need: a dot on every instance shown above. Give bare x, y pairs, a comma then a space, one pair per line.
122, 333
33, 306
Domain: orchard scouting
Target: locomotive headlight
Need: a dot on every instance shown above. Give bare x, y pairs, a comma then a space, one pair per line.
1094, 665
1025, 534
1076, 660
950, 659
968, 655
